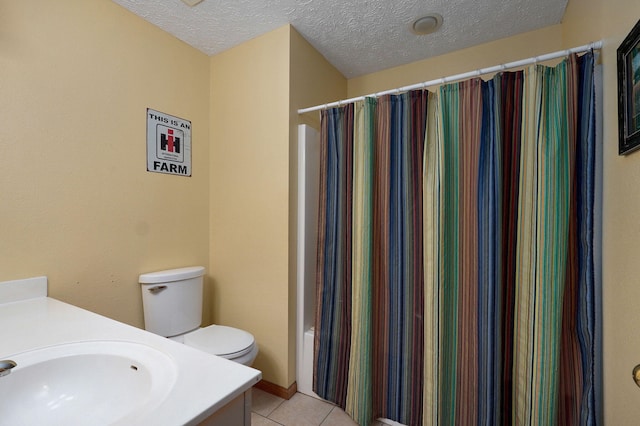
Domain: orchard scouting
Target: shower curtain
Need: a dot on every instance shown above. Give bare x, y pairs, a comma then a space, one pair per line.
456, 273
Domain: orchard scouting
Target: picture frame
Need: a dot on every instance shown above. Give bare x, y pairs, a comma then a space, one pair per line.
629, 92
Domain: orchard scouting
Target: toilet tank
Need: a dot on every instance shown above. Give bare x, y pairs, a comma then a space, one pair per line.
172, 300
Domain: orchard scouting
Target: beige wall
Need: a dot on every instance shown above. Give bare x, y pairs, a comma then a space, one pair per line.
249, 194
486, 55
77, 203
255, 90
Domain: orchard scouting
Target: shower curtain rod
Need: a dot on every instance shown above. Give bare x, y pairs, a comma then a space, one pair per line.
516, 64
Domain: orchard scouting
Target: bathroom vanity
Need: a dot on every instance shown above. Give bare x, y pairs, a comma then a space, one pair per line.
77, 367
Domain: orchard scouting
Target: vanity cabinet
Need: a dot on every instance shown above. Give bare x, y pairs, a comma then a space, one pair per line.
235, 413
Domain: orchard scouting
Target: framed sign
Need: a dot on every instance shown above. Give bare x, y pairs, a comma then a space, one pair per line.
168, 144
629, 92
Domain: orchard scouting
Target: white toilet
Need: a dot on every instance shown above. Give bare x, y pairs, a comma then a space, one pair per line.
172, 304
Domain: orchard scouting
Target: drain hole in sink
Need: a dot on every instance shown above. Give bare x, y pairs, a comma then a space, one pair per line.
133, 367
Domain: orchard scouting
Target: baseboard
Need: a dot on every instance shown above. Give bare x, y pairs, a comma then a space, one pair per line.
276, 390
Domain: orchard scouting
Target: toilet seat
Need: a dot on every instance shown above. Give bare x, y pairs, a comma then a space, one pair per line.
220, 340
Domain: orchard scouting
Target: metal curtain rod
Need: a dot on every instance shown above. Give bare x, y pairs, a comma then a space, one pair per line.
516, 64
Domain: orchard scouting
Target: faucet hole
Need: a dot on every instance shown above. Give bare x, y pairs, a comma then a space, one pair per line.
7, 364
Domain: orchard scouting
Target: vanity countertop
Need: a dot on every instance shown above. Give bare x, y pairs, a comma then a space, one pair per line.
204, 384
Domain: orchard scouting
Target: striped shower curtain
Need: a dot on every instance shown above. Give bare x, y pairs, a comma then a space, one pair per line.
456, 275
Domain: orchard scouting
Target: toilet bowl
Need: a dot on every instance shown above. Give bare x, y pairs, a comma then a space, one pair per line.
172, 305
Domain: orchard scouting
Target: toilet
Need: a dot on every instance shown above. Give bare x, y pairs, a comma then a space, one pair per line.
172, 304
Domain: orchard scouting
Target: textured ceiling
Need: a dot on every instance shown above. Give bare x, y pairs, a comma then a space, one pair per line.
357, 36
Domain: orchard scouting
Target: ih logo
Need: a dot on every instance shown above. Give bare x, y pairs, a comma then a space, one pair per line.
170, 143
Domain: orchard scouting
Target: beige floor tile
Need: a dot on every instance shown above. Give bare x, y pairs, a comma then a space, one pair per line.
337, 417
258, 420
301, 410
263, 403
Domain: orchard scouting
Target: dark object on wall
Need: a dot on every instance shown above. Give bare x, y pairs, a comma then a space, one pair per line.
629, 92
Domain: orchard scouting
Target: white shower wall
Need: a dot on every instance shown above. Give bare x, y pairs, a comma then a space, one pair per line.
308, 177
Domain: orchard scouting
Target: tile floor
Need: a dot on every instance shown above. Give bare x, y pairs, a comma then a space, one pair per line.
300, 410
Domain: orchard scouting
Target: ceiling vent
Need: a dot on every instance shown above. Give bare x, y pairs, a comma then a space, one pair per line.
191, 3
427, 24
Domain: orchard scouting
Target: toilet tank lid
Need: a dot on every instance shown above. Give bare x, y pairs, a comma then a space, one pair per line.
171, 275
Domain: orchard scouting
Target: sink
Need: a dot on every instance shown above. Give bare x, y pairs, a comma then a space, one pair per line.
92, 382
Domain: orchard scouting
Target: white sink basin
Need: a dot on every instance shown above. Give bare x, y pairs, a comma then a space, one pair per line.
98, 382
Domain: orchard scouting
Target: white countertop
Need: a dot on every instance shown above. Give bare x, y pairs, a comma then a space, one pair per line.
205, 383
